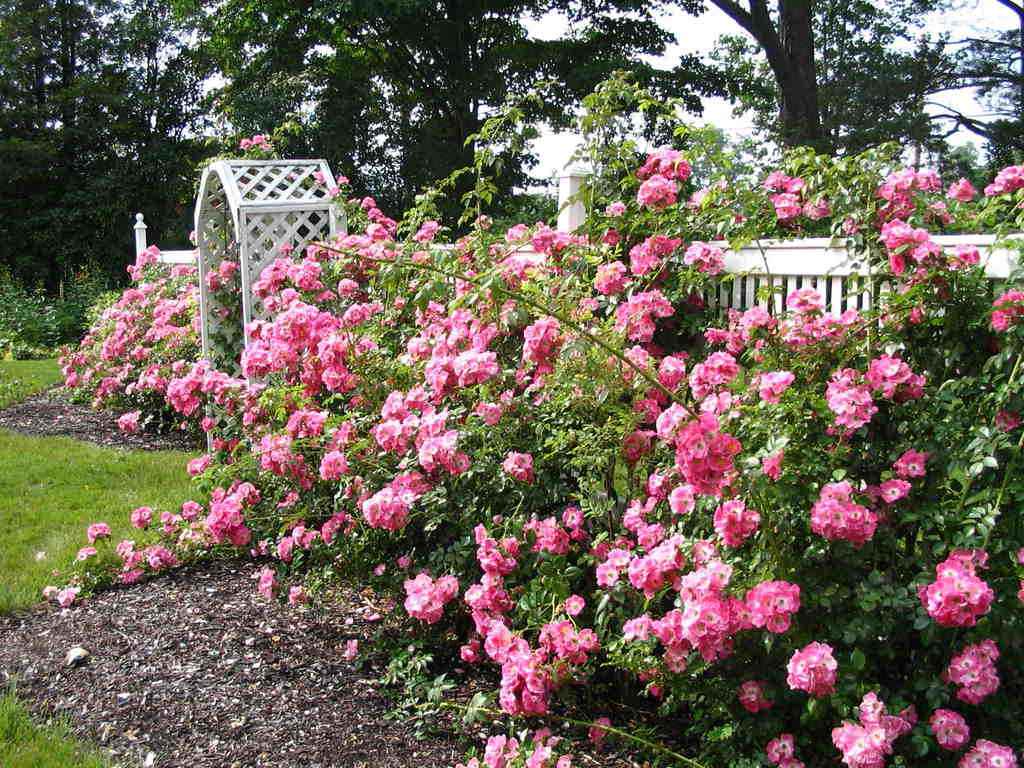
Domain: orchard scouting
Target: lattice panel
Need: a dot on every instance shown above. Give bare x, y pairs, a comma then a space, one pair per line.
279, 182
222, 337
266, 233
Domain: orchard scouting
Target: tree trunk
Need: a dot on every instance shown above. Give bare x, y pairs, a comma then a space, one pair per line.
790, 53
799, 111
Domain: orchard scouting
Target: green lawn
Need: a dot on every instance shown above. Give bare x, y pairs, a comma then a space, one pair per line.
23, 378
23, 744
51, 488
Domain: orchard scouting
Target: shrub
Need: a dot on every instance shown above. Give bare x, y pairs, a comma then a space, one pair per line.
137, 343
33, 324
793, 532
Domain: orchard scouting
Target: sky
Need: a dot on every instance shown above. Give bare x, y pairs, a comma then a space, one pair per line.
697, 35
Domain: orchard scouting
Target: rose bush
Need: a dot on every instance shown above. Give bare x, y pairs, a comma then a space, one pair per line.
795, 533
138, 344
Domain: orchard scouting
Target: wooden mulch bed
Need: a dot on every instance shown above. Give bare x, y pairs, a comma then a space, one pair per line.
51, 414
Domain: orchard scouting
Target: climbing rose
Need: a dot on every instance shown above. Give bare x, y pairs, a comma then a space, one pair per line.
837, 517
611, 278
735, 522
950, 729
267, 583
425, 598
1007, 310
988, 754
812, 669
97, 531
519, 466
129, 422
751, 696
911, 464
957, 597
141, 517
961, 190
780, 749
867, 743
574, 605
974, 672
708, 259
657, 192
772, 385
66, 596
772, 604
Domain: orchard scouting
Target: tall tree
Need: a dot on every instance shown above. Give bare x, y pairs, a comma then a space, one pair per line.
98, 119
389, 90
861, 76
787, 41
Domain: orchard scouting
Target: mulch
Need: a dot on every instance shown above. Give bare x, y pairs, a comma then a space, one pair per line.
194, 668
52, 414
197, 669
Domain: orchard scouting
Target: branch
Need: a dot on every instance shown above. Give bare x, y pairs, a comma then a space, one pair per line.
737, 13
974, 126
983, 41
1018, 9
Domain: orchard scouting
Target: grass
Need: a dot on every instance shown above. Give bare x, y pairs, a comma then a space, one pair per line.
20, 379
23, 744
51, 488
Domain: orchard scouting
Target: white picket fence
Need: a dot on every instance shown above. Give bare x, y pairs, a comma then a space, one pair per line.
166, 257
817, 263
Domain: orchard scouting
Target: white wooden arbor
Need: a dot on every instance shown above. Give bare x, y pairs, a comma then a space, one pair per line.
246, 210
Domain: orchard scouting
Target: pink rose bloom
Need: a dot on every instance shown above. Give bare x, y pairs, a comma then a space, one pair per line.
780, 748
129, 422
962, 191
910, 464
950, 729
812, 669
611, 278
1007, 421
267, 583
596, 733
141, 517
615, 209
772, 465
988, 754
297, 595
351, 650
787, 206
519, 466
805, 301
772, 385
657, 193
97, 531
67, 596
894, 490
574, 605
819, 209
752, 697
85, 553
198, 466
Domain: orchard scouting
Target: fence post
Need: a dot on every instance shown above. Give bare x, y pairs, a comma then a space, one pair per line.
571, 215
140, 234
